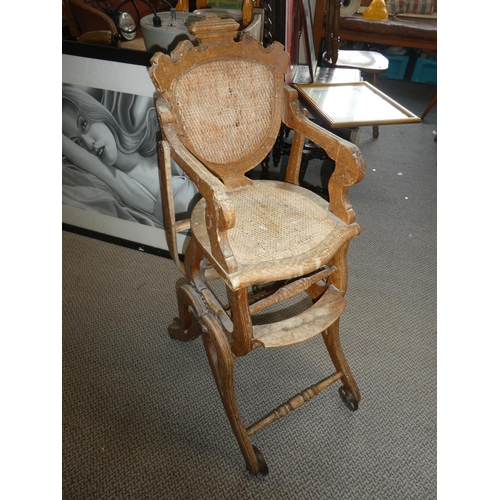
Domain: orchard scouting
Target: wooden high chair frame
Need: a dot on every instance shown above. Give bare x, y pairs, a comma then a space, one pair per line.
221, 107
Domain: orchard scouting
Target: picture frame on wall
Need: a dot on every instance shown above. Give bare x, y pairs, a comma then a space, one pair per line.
110, 174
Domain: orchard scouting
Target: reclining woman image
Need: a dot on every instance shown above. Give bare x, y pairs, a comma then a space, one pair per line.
109, 148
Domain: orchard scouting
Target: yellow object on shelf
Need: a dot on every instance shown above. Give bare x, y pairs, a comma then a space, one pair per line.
376, 11
182, 6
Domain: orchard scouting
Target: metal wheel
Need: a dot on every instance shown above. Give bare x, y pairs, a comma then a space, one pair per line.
262, 463
348, 398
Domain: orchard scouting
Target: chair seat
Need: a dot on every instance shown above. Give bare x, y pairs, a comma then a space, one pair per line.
281, 231
365, 60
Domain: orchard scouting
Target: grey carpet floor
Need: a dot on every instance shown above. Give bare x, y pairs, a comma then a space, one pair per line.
141, 414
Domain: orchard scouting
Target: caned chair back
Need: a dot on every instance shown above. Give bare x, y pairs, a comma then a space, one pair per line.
225, 99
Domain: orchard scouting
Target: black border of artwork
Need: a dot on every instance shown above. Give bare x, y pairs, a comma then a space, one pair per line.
136, 57
115, 240
117, 54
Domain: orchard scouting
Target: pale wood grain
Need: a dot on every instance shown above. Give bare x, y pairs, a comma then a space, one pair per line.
222, 105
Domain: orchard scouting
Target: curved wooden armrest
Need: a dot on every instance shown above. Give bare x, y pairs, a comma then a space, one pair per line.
349, 164
219, 214
102, 37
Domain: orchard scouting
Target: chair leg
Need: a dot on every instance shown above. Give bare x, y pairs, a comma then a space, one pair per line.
375, 131
429, 107
185, 329
222, 364
332, 342
195, 319
191, 305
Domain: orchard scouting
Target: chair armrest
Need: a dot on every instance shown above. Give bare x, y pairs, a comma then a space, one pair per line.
349, 163
101, 37
220, 214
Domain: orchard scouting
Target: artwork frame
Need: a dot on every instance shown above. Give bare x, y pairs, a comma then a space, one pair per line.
93, 204
308, 34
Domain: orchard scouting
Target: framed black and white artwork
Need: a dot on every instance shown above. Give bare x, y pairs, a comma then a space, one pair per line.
110, 133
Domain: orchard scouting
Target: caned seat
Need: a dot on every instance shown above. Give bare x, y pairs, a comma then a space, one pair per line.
292, 225
221, 108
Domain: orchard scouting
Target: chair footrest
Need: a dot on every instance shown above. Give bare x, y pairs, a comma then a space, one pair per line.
303, 326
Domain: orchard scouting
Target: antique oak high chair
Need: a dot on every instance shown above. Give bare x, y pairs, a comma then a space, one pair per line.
221, 106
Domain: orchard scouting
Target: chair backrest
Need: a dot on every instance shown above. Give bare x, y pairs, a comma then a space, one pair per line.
332, 31
225, 97
83, 18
